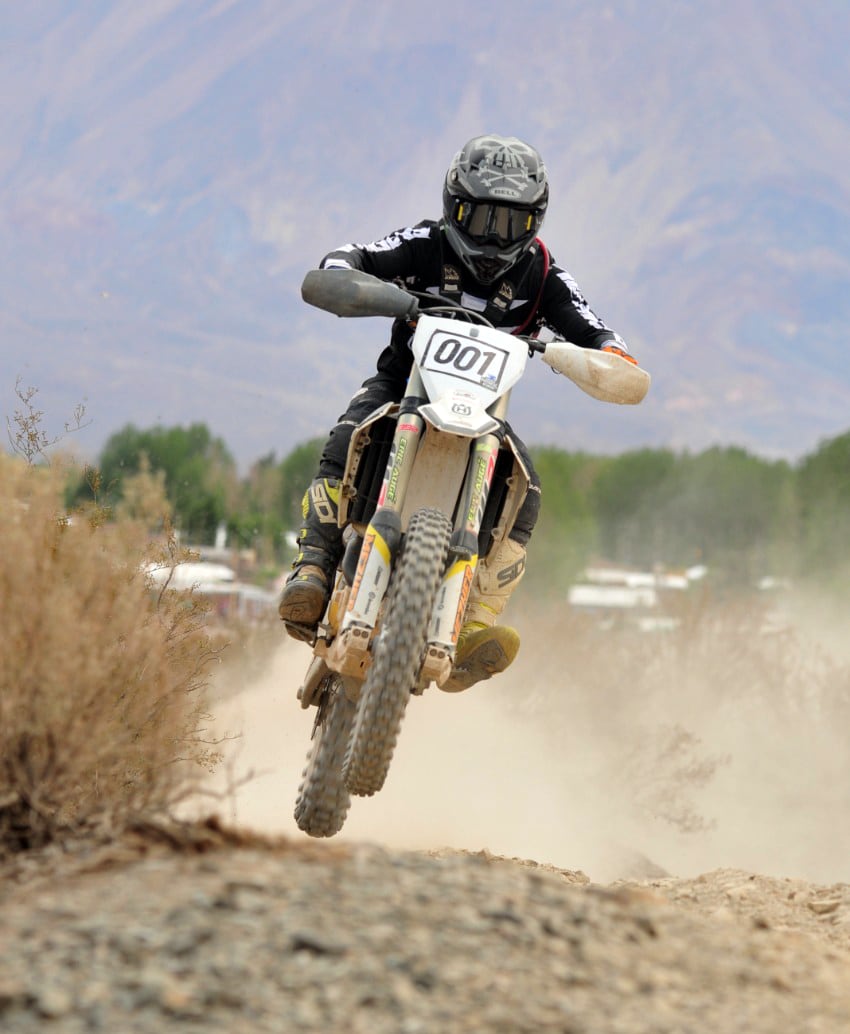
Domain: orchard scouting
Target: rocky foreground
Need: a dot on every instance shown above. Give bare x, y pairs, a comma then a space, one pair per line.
212, 930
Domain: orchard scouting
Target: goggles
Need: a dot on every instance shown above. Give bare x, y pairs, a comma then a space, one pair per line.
486, 222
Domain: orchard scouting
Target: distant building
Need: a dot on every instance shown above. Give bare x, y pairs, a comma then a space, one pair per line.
229, 598
615, 592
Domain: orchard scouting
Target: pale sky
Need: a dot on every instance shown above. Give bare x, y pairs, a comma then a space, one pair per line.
169, 172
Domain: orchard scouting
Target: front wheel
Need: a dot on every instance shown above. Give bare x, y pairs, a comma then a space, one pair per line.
323, 800
397, 652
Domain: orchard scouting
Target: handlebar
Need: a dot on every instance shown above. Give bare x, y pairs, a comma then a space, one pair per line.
351, 292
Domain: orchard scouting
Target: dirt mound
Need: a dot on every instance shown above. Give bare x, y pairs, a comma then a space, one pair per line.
244, 933
646, 836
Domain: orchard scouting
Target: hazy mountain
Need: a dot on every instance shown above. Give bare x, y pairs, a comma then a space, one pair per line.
169, 171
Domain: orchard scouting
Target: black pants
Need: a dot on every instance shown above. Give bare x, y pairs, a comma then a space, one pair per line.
380, 389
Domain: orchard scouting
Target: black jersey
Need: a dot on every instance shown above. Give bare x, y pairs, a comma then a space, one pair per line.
533, 293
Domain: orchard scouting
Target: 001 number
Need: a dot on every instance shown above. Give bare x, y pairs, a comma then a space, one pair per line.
466, 358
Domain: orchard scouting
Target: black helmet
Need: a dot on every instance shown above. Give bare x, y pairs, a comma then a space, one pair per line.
494, 200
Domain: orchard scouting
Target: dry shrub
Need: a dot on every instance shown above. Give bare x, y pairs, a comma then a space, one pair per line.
101, 679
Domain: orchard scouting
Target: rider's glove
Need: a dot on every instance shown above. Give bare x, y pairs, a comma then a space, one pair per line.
617, 350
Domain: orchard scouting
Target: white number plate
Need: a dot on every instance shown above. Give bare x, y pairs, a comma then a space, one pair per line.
467, 358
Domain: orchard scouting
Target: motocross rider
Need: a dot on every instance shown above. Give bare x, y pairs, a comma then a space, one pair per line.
486, 254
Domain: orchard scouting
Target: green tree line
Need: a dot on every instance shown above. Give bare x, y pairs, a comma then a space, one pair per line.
724, 507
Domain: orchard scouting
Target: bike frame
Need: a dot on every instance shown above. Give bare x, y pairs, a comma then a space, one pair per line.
448, 435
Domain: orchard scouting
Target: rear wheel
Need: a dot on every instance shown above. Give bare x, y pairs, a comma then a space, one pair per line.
397, 652
323, 800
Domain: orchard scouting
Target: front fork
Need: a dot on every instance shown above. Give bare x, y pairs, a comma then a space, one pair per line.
453, 594
348, 653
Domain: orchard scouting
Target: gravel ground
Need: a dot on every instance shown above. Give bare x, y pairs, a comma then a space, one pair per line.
223, 931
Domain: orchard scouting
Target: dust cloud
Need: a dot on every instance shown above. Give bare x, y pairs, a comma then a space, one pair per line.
465, 773
720, 745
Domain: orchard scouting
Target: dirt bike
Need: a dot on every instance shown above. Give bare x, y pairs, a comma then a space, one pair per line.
430, 485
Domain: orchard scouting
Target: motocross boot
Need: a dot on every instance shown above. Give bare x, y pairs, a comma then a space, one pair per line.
307, 590
484, 648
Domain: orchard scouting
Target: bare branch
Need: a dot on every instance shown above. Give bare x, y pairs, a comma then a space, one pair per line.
25, 429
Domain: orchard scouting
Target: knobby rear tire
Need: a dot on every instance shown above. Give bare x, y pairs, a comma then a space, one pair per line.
397, 652
323, 799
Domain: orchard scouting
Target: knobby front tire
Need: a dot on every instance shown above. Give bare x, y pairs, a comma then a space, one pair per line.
397, 652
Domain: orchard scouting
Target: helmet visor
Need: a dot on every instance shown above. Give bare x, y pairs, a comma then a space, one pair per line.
486, 222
